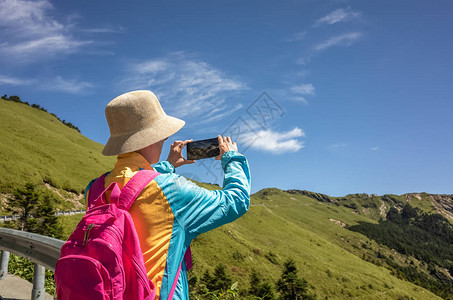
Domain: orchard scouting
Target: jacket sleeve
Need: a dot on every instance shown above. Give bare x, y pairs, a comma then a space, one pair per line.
199, 210
164, 167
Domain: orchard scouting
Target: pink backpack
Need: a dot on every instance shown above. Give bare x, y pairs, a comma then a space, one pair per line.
102, 258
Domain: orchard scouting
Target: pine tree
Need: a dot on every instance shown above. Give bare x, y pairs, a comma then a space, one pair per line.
262, 290
290, 286
255, 282
266, 291
408, 212
48, 222
221, 280
15, 99
206, 278
24, 202
36, 211
393, 215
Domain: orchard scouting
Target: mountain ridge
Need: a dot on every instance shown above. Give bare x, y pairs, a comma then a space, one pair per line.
440, 203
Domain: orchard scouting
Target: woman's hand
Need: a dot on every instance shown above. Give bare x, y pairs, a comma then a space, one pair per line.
225, 145
175, 156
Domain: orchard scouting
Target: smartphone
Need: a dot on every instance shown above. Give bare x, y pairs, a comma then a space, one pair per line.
203, 149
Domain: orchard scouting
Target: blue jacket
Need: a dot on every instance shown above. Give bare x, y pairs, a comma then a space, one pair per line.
172, 211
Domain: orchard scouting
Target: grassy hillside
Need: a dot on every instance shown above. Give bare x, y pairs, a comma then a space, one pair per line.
308, 227
280, 225
36, 147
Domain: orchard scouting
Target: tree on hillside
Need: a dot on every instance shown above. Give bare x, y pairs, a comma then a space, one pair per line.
408, 212
393, 215
266, 291
24, 203
201, 288
48, 223
255, 281
221, 280
15, 99
36, 211
206, 278
39, 107
261, 290
216, 286
290, 286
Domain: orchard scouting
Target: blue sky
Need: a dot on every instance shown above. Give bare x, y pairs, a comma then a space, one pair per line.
335, 97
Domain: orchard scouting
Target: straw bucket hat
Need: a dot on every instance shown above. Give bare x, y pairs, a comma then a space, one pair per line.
137, 120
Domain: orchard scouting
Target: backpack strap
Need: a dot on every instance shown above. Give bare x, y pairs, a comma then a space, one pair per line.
134, 187
102, 198
94, 190
128, 194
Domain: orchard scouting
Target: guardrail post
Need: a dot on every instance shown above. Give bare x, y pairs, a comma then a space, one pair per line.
38, 291
4, 260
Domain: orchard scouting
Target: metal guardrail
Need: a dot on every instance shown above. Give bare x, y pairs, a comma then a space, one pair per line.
70, 212
4, 219
42, 250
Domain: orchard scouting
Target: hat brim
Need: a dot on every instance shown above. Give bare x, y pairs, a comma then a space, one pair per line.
160, 130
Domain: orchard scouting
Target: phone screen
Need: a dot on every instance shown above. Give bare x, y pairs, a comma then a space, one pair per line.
203, 149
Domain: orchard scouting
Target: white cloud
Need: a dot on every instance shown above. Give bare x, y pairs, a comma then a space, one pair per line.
186, 86
73, 86
103, 30
277, 142
302, 73
304, 89
303, 60
27, 17
220, 113
300, 91
30, 31
374, 148
339, 15
341, 40
151, 66
52, 44
5, 80
299, 36
339, 145
299, 99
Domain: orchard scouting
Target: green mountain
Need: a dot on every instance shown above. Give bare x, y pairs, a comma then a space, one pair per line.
36, 147
338, 259
338, 263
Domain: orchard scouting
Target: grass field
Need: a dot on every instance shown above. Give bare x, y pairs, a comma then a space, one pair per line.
38, 148
283, 226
